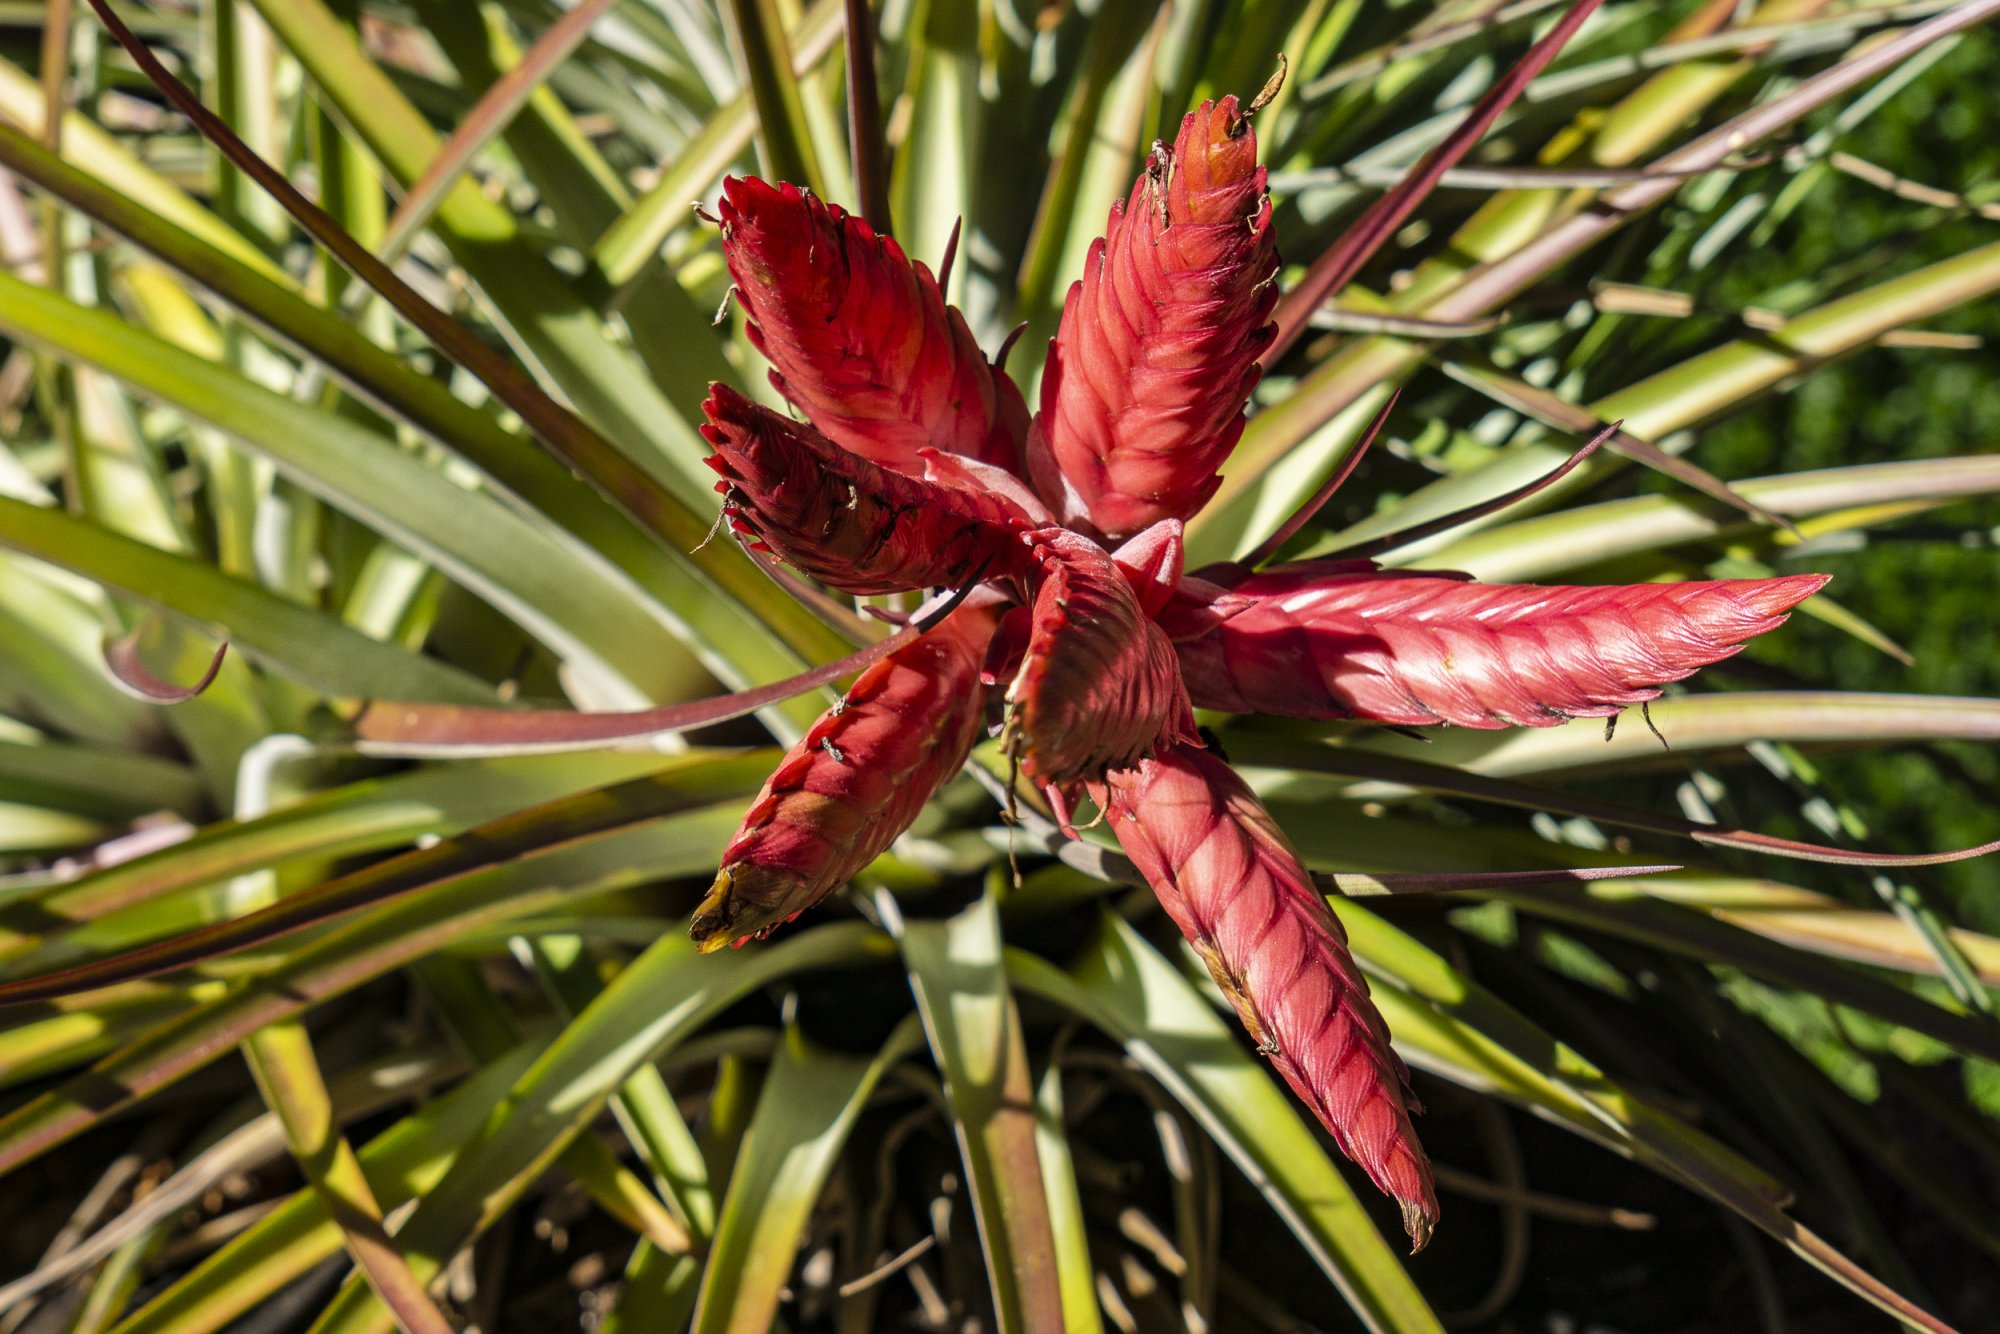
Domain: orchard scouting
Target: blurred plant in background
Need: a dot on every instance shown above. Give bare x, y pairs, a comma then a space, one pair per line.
486, 1079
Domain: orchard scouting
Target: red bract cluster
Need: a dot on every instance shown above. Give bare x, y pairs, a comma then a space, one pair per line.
1086, 639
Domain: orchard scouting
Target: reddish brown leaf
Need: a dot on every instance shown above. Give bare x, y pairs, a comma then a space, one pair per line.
129, 670
400, 727
1444, 523
1301, 516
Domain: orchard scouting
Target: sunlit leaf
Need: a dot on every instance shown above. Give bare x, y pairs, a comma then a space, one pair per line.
810, 1100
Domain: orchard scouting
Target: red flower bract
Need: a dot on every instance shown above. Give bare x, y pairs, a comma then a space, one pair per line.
1098, 687
919, 469
1143, 396
860, 337
849, 523
852, 783
1233, 885
1332, 641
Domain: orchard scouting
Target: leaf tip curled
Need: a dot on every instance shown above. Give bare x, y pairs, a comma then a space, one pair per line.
131, 675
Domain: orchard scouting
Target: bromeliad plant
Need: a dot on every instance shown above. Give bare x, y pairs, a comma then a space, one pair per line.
919, 467
432, 490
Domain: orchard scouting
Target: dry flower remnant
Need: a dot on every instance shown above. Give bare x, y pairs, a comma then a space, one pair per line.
918, 467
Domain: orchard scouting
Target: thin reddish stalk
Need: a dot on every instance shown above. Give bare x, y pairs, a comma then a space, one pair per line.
1424, 776
1566, 416
1285, 531
865, 140
1487, 286
621, 480
490, 116
1337, 267
390, 727
1458, 518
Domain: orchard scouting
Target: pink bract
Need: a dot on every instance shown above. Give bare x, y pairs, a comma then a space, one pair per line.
1143, 395
1233, 885
1321, 640
852, 783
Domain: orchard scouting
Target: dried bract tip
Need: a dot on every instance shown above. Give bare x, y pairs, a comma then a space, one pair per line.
732, 911
1270, 89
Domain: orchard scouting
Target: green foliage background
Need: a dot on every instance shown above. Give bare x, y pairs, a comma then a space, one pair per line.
712, 1133
1931, 585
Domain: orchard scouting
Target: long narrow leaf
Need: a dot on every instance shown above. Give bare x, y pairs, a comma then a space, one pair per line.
529, 833
975, 1034
358, 952
808, 1106
114, 905
1125, 988
1564, 415
659, 999
281, 1247
1333, 270
300, 643
622, 480
489, 117
1549, 544
630, 243
490, 549
1458, 1028
593, 531
1692, 723
1390, 775
396, 728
